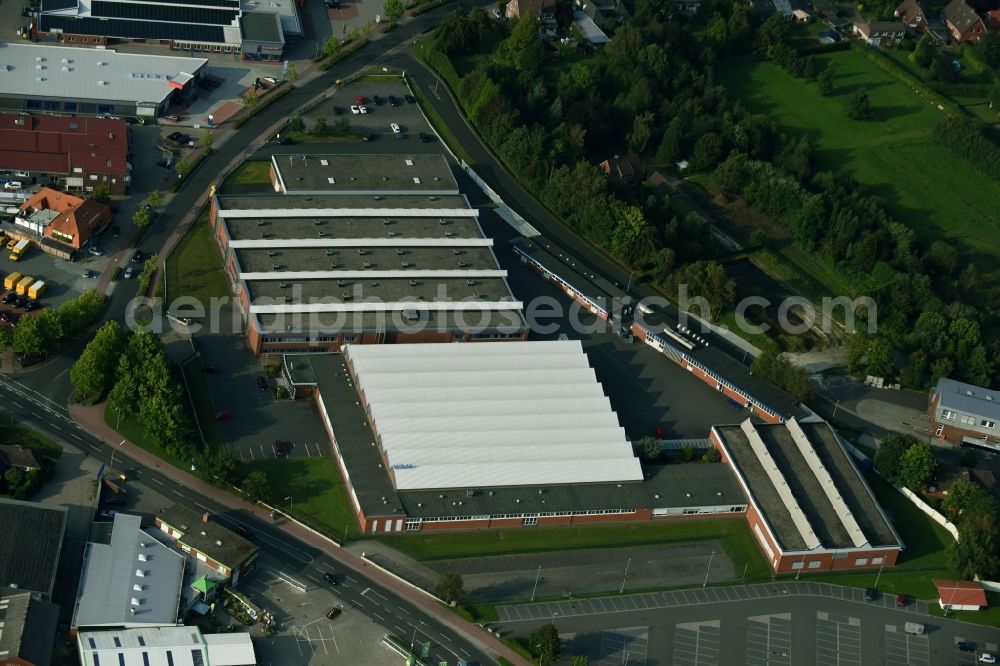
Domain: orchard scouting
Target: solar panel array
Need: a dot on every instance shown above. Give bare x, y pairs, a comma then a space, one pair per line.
165, 13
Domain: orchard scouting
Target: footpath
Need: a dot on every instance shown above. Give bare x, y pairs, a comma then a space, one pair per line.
91, 418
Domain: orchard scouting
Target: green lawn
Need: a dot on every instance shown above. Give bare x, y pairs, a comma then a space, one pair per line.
130, 428
989, 616
194, 268
924, 185
731, 532
306, 137
250, 172
318, 494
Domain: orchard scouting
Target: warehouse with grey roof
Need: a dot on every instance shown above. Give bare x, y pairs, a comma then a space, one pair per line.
490, 435
809, 505
364, 261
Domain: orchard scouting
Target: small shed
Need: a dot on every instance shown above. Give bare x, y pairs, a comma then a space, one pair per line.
961, 595
801, 16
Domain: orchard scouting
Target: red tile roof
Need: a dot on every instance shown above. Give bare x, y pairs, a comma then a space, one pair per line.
79, 218
55, 144
961, 593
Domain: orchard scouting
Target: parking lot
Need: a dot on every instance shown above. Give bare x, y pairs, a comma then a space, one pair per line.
380, 113
64, 279
305, 635
773, 624
258, 419
838, 640
696, 643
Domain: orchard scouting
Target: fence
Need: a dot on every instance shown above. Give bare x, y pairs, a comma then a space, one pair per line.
930, 511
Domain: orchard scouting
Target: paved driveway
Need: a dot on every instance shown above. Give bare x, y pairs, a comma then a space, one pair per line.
258, 419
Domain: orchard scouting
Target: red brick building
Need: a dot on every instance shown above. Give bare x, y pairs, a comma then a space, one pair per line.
209, 542
963, 413
70, 153
962, 21
809, 507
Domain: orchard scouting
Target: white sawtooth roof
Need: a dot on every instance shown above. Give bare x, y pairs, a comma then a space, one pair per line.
491, 414
516, 473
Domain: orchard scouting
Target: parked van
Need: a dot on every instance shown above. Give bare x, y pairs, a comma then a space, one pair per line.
23, 285
11, 280
914, 628
37, 289
20, 247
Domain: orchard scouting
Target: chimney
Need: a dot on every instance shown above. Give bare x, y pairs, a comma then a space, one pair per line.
204, 517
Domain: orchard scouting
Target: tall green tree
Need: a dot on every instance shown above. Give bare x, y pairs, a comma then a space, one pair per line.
917, 467
393, 10
450, 587
546, 644
257, 486
889, 455
858, 105
94, 371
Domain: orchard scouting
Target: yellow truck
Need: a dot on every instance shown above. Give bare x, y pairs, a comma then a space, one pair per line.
23, 284
19, 249
11, 280
37, 289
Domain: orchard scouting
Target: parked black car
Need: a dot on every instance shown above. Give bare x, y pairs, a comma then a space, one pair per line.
31, 306
409, 99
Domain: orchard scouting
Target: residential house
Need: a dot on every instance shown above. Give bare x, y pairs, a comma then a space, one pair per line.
625, 169
911, 14
880, 33
965, 413
962, 21
75, 153
961, 595
27, 629
221, 549
63, 222
15, 455
993, 20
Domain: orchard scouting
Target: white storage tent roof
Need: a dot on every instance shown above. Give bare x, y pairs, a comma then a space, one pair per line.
491, 414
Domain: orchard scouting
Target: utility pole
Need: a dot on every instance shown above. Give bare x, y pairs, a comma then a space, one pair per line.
624, 577
709, 569
879, 575
537, 575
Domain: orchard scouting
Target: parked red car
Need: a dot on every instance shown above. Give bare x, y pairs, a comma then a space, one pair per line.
359, 100
223, 416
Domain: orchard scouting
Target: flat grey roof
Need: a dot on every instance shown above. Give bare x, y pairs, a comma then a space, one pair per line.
345, 174
969, 398
352, 227
111, 573
278, 202
29, 553
208, 537
667, 486
800, 478
509, 322
385, 290
374, 259
40, 70
262, 27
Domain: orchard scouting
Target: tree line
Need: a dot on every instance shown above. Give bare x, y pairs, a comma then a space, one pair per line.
35, 337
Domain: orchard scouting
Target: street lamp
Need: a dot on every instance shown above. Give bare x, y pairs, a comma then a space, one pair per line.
537, 575
112, 464
289, 500
708, 570
625, 576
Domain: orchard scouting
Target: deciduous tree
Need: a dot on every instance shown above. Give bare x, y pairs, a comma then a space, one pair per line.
450, 586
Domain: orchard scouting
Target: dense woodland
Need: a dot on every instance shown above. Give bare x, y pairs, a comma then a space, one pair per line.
651, 91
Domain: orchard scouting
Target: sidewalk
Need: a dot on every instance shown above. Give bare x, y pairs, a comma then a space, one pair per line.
91, 418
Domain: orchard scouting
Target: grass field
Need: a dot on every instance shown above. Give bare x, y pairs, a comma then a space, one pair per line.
251, 172
733, 534
202, 399
194, 268
924, 185
317, 491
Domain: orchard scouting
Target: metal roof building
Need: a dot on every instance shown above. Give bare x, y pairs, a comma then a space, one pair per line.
375, 174
30, 563
165, 646
554, 426
810, 507
135, 581
966, 413
363, 264
27, 628
41, 77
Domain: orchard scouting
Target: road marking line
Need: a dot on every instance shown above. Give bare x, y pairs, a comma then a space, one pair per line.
376, 594
202, 506
73, 434
155, 480
16, 404
175, 492
465, 653
379, 617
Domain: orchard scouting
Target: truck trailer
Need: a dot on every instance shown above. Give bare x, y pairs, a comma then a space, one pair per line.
37, 289
11, 280
23, 284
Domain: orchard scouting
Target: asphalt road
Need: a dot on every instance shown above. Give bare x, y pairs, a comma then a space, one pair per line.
297, 558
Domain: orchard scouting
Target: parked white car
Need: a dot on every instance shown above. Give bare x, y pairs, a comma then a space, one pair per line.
355, 109
363, 108
394, 127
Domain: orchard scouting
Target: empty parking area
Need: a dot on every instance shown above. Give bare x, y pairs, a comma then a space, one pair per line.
769, 640
838, 640
624, 646
903, 649
696, 643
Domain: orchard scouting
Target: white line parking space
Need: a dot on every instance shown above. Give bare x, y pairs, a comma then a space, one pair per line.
696, 644
624, 646
903, 649
769, 640
838, 640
